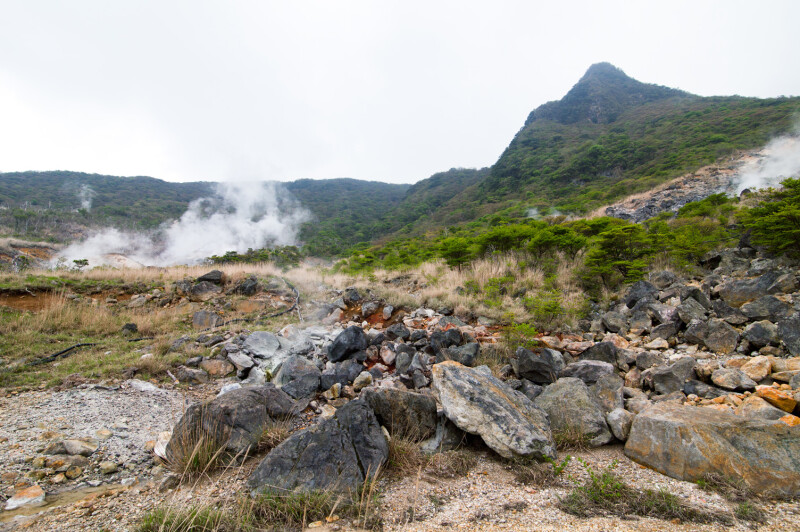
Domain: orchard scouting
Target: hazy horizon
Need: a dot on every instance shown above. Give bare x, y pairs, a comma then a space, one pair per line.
391, 91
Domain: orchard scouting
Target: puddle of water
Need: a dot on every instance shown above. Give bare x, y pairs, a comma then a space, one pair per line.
60, 499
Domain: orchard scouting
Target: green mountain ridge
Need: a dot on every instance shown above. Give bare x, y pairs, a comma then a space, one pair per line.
610, 136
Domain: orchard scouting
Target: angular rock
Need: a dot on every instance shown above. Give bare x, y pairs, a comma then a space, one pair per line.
614, 322
690, 310
479, 403
265, 347
339, 453
607, 392
648, 359
757, 368
363, 380
343, 373
757, 407
369, 308
349, 342
766, 308
216, 368
398, 330
701, 389
640, 290
692, 292
214, 276
789, 333
190, 375
665, 380
778, 398
603, 351
589, 371
298, 377
619, 421
234, 421
687, 443
732, 315
203, 291
531, 390
662, 279
81, 447
465, 354
28, 497
664, 331
403, 413
539, 368
732, 379
205, 319
241, 361
761, 333
737, 292
571, 407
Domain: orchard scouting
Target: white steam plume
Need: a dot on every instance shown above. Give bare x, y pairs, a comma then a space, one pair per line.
85, 196
781, 159
238, 217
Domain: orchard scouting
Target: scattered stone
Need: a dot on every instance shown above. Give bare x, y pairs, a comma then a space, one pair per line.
571, 408
732, 379
789, 333
298, 377
589, 371
761, 333
539, 368
206, 319
363, 380
347, 343
603, 351
398, 330
29, 497
479, 403
779, 398
640, 290
82, 446
73, 472
619, 421
658, 343
757, 368
216, 368
214, 276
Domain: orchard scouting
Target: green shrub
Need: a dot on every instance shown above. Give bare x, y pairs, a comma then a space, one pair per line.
775, 222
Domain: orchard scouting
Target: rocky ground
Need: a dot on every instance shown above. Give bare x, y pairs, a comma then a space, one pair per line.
677, 379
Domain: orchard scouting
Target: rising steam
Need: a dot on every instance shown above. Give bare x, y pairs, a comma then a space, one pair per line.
85, 196
780, 159
238, 217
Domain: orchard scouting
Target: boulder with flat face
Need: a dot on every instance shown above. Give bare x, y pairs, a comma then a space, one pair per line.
479, 403
571, 407
687, 443
338, 453
234, 421
402, 412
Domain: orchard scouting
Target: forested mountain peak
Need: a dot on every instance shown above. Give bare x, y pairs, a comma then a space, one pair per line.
600, 96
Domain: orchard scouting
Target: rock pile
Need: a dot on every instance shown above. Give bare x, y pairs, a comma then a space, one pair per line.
714, 361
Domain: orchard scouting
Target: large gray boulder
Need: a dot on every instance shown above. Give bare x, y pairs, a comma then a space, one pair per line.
403, 413
339, 453
479, 403
737, 292
571, 407
667, 379
766, 308
640, 290
607, 392
233, 421
350, 341
689, 443
464, 354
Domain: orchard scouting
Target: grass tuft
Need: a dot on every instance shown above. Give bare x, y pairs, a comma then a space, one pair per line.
606, 494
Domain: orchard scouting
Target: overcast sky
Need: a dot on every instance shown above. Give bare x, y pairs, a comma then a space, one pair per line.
381, 90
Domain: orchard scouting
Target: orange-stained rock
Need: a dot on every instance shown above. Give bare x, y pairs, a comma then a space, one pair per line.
792, 421
688, 443
31, 496
217, 368
780, 398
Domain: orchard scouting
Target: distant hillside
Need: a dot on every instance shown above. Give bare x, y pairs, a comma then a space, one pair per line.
611, 136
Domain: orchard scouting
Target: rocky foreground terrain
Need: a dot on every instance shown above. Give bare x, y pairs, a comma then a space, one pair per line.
679, 381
